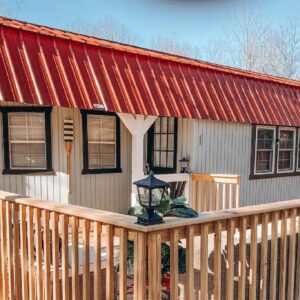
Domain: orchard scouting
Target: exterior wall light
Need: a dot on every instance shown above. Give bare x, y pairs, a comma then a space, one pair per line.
184, 165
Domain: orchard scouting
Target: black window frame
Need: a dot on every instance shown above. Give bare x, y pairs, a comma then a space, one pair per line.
150, 150
86, 169
275, 174
48, 140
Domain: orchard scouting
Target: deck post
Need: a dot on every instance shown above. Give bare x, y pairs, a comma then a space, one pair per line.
137, 125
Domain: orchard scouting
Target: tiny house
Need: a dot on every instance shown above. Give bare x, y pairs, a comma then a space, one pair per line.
81, 118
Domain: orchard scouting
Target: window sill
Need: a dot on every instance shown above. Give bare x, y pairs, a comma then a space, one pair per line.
29, 172
277, 175
101, 171
162, 171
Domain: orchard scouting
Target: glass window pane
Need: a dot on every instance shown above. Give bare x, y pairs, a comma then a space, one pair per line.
101, 141
163, 122
286, 139
27, 140
170, 163
108, 160
157, 142
163, 159
156, 158
28, 156
171, 125
264, 161
27, 126
37, 161
265, 139
171, 142
285, 160
163, 140
101, 128
102, 155
94, 161
157, 125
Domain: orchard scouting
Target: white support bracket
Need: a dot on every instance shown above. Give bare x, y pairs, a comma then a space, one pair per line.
137, 125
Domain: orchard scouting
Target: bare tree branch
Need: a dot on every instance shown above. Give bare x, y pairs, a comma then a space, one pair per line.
253, 43
170, 45
109, 29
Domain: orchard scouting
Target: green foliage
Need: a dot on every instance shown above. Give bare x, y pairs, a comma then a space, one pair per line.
178, 208
136, 211
165, 259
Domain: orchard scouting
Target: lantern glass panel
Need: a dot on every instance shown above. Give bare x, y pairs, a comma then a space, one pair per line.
144, 196
156, 197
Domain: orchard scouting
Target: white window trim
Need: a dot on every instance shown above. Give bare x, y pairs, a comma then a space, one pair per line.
294, 149
273, 149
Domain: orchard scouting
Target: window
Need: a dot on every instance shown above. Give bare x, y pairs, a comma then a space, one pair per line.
162, 144
101, 142
27, 140
286, 150
265, 150
274, 152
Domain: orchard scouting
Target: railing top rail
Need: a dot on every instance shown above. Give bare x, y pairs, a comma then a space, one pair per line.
129, 222
218, 178
102, 216
215, 175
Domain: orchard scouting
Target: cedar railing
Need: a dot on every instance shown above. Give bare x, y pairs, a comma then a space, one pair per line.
242, 253
214, 191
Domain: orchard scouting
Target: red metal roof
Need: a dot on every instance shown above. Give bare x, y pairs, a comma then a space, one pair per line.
45, 66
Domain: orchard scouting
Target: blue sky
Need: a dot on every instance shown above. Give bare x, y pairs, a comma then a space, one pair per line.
197, 22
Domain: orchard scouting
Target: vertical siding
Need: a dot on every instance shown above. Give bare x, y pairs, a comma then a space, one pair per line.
213, 147
103, 191
226, 148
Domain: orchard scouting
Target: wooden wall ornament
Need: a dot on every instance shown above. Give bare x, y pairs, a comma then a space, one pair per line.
68, 138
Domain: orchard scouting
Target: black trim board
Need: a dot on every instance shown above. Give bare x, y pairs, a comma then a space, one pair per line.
8, 109
86, 169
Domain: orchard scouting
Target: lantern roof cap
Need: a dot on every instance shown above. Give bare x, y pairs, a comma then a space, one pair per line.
184, 159
151, 182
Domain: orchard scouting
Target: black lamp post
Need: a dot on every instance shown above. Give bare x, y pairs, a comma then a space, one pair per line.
184, 165
150, 192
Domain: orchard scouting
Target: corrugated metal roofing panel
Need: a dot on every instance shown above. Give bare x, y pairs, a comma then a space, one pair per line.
44, 66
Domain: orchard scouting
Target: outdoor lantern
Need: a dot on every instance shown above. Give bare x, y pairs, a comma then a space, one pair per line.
184, 165
150, 192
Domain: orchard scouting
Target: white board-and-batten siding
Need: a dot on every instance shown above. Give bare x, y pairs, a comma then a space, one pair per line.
225, 148
103, 191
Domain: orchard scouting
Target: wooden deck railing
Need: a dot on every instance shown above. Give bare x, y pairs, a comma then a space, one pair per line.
214, 191
242, 253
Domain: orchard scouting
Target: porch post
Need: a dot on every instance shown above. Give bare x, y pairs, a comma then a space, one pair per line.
137, 125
